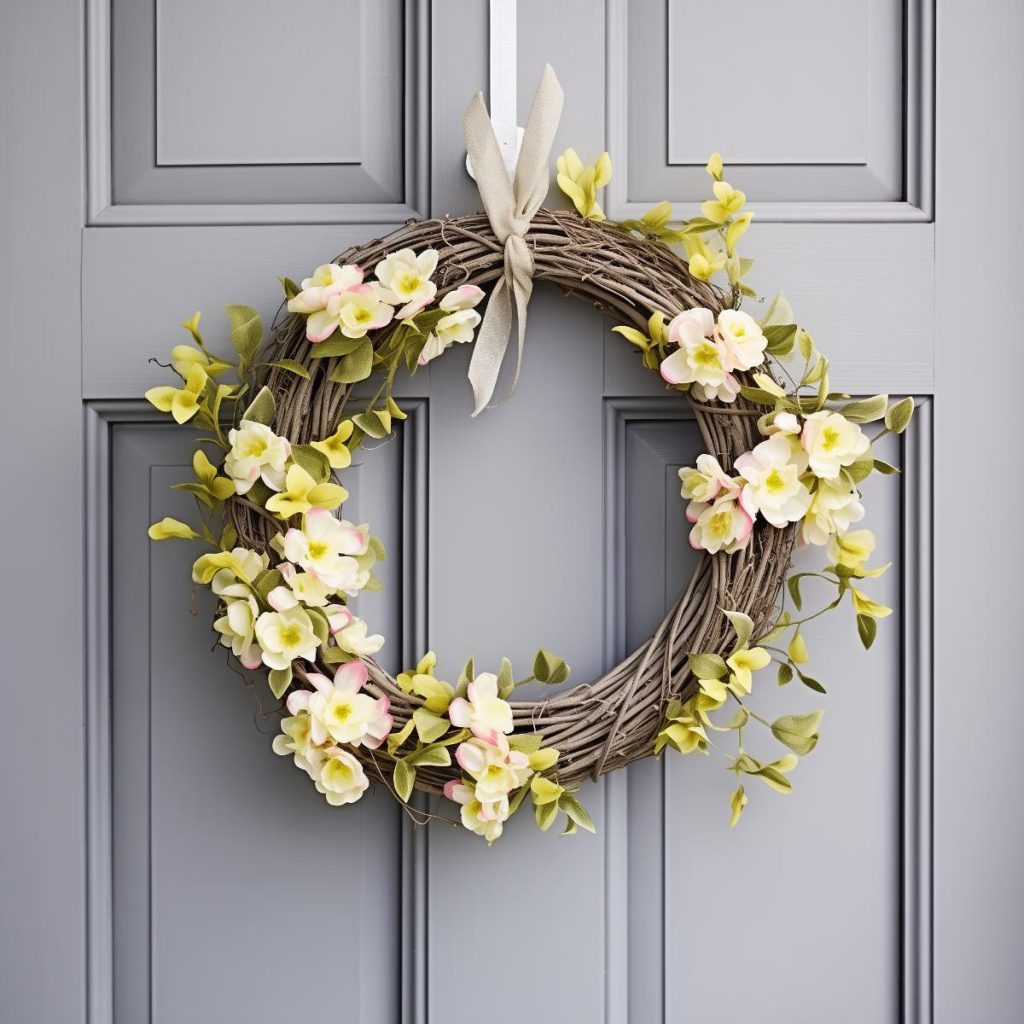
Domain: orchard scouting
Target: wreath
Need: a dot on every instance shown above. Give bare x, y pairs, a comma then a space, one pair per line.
784, 459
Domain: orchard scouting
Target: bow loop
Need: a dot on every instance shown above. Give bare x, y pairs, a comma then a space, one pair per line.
510, 206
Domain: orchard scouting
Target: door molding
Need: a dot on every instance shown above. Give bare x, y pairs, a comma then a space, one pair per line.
913, 915
102, 209
918, 131
101, 418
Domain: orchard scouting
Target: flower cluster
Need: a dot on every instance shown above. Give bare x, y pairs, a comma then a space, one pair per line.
295, 610
323, 721
800, 474
498, 767
338, 298
709, 353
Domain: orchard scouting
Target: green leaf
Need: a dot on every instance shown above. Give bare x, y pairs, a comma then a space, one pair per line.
898, 416
506, 681
738, 720
707, 666
465, 678
313, 461
867, 410
292, 365
376, 547
736, 804
321, 626
867, 630
634, 337
545, 815
758, 395
356, 366
267, 581
779, 313
404, 779
743, 625
885, 468
793, 583
548, 667
200, 491
336, 345
798, 732
785, 673
811, 684
765, 383
575, 811
436, 754
375, 423
280, 679
246, 332
780, 338
291, 289
861, 469
262, 409
335, 655
429, 726
525, 742
775, 779
805, 343
517, 799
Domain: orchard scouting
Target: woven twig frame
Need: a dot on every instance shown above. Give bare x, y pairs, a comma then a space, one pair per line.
611, 722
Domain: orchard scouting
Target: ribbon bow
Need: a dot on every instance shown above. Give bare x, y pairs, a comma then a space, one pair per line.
510, 207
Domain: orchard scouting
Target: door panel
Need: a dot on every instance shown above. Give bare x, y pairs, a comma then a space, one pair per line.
199, 893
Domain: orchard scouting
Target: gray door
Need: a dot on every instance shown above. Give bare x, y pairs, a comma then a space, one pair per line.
159, 863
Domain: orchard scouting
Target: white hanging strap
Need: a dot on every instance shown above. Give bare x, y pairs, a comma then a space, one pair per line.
502, 88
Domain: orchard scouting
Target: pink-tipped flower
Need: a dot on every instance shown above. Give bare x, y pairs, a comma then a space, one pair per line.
482, 711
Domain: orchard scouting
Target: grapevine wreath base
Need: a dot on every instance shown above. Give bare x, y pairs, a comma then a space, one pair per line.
783, 463
611, 722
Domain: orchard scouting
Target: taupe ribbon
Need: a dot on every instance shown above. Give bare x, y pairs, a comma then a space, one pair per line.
510, 207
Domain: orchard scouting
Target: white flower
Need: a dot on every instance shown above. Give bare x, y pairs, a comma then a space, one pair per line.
466, 296
298, 586
256, 453
706, 481
724, 526
773, 485
831, 442
724, 392
326, 280
354, 311
296, 739
342, 779
238, 623
742, 339
781, 423
699, 361
286, 636
406, 279
484, 713
338, 617
485, 819
340, 712
458, 326
227, 585
697, 319
833, 509
325, 547
496, 769
352, 638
